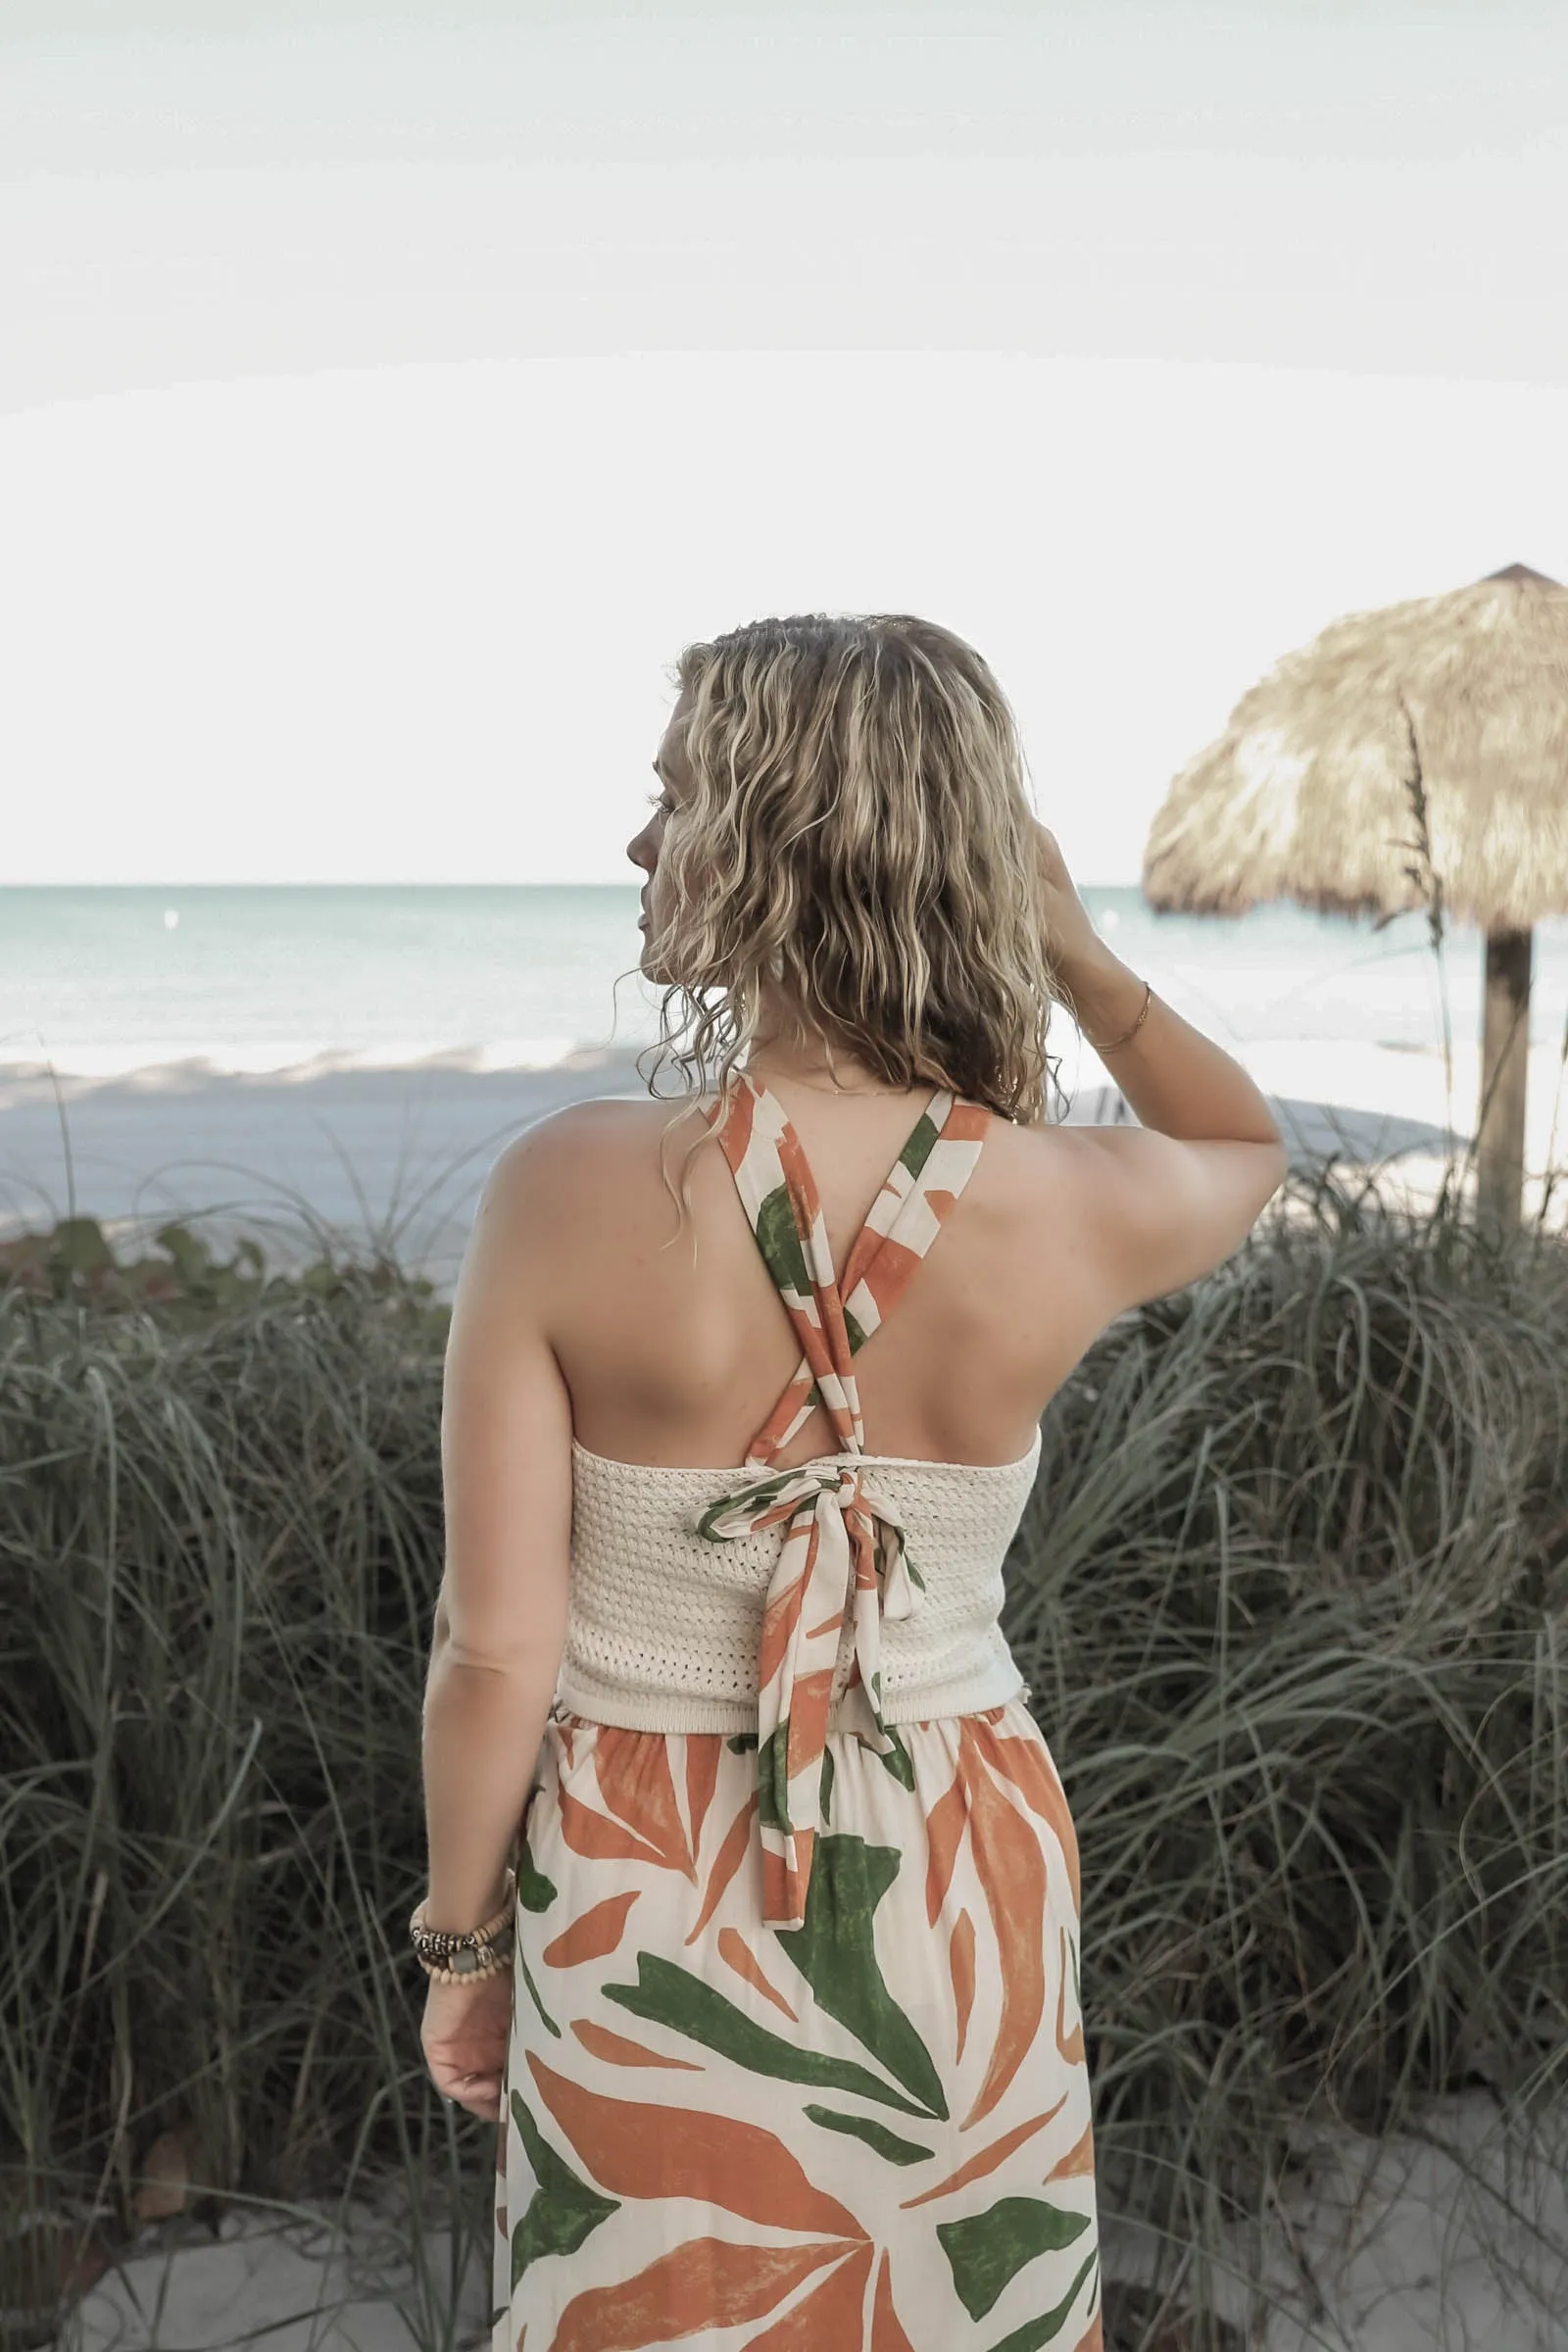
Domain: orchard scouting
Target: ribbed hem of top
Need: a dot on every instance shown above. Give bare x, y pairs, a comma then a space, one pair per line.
689, 1711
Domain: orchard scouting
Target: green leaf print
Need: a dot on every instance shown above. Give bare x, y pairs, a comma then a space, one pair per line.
918, 1151
672, 1995
760, 1494
897, 1760
563, 2209
985, 2250
824, 1795
535, 1892
875, 2135
835, 1952
739, 1742
854, 1332
545, 2017
772, 1778
778, 1237
1035, 2332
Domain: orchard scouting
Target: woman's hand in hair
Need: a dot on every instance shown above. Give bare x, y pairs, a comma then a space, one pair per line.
1069, 928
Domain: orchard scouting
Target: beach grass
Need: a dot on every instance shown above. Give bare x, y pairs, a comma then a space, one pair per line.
1289, 1594
1292, 1593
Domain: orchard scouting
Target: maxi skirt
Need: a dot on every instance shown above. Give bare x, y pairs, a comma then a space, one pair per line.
870, 2134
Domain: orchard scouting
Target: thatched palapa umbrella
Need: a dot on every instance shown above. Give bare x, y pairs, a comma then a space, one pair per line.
1412, 757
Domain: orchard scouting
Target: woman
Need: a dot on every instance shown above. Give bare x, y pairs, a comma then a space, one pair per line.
779, 2017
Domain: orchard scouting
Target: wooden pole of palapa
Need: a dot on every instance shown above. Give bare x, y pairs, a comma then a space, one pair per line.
1505, 1080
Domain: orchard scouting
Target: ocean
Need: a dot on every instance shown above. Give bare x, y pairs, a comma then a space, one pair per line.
103, 981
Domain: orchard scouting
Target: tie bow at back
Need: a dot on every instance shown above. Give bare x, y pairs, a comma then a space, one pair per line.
849, 1491
844, 1548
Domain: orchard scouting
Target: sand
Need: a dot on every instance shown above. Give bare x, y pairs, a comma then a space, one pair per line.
405, 1151
1427, 2242
1404, 2248
305, 2282
400, 1152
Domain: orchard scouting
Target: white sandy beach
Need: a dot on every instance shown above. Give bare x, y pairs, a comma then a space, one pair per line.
1399, 2249
406, 1150
401, 1152
296, 2283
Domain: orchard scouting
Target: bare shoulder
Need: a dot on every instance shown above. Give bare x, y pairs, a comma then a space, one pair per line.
1158, 1211
588, 1160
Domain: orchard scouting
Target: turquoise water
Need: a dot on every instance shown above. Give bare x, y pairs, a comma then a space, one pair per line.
107, 980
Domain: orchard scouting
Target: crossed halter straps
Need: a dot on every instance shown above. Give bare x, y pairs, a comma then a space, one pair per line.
843, 1546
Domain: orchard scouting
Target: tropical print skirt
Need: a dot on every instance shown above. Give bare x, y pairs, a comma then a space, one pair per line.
868, 2134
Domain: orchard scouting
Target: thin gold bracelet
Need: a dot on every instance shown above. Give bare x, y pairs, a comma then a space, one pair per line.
1117, 1043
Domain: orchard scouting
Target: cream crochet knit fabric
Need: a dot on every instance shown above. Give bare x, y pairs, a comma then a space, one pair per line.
664, 1626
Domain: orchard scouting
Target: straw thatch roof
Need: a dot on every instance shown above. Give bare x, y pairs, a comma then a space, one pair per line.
1308, 795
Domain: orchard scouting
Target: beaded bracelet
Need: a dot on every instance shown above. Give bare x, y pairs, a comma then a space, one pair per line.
452, 1959
1117, 1043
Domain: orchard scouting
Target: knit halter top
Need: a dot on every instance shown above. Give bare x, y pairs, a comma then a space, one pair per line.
861, 1590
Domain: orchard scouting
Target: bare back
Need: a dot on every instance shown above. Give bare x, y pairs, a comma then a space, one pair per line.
676, 1363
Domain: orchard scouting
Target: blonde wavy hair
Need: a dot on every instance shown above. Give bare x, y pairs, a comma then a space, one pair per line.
856, 834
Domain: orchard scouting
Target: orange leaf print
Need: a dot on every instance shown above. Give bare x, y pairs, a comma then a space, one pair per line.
779, 1620
1026, 1763
702, 1779
634, 1780
602, 1841
800, 1185
1092, 2339
733, 1948
988, 2159
808, 1735
1072, 2046
641, 2149
1012, 1870
887, 2333
739, 1118
777, 1514
890, 1270
595, 1933
1080, 2157
705, 2284
944, 1834
727, 1862
960, 1967
615, 2049
833, 2313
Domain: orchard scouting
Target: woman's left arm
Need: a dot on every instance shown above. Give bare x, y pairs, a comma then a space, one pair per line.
506, 1459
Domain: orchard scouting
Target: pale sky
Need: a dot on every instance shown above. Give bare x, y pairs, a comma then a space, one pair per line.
385, 396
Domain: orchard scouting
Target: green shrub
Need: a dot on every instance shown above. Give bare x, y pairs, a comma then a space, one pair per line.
220, 1546
1289, 1593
